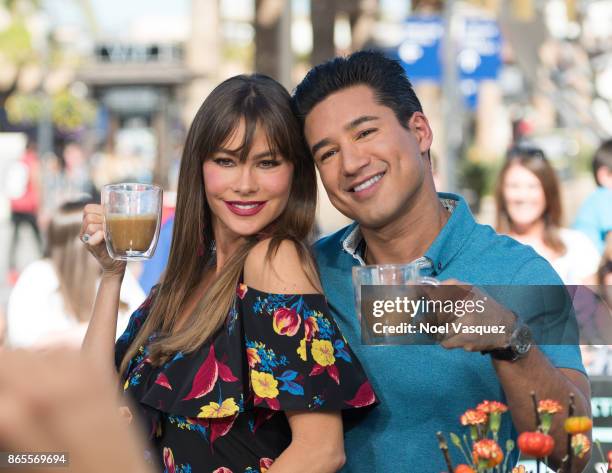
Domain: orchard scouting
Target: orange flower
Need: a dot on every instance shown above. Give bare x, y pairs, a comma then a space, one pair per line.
492, 407
519, 469
578, 424
581, 445
311, 327
241, 290
487, 453
536, 444
253, 357
464, 469
549, 406
473, 417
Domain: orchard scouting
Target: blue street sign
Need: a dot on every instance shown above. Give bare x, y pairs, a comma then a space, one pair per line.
478, 59
420, 50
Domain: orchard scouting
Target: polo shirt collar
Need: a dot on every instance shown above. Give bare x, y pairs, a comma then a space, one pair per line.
447, 244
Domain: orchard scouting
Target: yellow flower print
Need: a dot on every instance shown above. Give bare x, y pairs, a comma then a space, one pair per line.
302, 350
214, 411
323, 352
264, 384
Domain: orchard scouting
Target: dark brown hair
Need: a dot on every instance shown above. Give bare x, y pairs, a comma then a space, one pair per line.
602, 159
535, 161
259, 101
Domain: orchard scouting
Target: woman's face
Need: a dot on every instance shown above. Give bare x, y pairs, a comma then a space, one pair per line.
246, 197
523, 195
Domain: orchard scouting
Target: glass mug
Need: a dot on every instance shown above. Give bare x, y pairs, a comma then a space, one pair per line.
132, 218
387, 275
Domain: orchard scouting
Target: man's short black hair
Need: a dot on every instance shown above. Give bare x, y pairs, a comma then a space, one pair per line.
385, 76
602, 158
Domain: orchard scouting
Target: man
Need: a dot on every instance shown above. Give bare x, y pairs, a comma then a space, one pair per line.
370, 141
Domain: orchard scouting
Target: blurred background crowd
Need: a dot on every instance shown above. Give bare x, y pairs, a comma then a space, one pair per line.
518, 93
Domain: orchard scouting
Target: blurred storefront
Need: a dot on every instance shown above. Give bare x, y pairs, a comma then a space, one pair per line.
139, 87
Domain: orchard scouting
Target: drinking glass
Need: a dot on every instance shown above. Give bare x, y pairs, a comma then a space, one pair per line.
387, 275
132, 217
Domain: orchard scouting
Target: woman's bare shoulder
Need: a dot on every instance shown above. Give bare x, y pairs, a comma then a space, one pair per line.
282, 273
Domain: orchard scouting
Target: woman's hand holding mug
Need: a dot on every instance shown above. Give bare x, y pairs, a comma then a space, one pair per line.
92, 234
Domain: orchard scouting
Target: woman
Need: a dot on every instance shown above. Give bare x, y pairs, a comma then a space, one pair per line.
529, 210
237, 330
52, 300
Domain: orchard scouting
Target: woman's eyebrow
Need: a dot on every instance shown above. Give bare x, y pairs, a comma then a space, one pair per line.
264, 154
235, 153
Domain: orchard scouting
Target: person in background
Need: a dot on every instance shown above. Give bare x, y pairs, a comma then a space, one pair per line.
77, 180
24, 192
529, 210
53, 298
595, 215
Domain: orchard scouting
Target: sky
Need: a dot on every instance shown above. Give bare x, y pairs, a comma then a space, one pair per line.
115, 16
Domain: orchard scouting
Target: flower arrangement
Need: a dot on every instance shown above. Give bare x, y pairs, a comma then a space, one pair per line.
483, 454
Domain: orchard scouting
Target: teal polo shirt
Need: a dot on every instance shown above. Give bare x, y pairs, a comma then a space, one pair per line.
425, 389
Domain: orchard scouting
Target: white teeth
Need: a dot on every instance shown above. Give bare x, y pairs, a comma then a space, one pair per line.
368, 183
245, 207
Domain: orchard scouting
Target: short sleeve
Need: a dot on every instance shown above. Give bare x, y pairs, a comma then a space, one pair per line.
539, 297
297, 357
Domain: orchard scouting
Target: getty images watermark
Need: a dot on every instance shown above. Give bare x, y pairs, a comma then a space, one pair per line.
424, 308
422, 315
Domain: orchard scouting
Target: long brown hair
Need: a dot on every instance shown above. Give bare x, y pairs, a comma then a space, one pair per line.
77, 271
535, 161
259, 101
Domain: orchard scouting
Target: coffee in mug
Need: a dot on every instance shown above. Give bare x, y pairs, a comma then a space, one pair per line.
131, 232
132, 217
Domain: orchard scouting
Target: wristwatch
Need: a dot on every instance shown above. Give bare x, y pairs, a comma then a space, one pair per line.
518, 346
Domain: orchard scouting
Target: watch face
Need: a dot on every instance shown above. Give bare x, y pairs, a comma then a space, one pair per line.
523, 340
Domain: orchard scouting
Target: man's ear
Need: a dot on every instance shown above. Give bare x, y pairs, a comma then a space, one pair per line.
419, 125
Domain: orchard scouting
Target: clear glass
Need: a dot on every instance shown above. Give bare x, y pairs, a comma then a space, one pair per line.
132, 217
386, 275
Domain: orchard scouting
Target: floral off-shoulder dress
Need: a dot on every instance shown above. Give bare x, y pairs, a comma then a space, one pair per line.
220, 409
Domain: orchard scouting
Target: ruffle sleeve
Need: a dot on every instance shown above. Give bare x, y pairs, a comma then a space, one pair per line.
275, 352
297, 357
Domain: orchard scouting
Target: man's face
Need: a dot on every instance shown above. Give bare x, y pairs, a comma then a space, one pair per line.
370, 165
